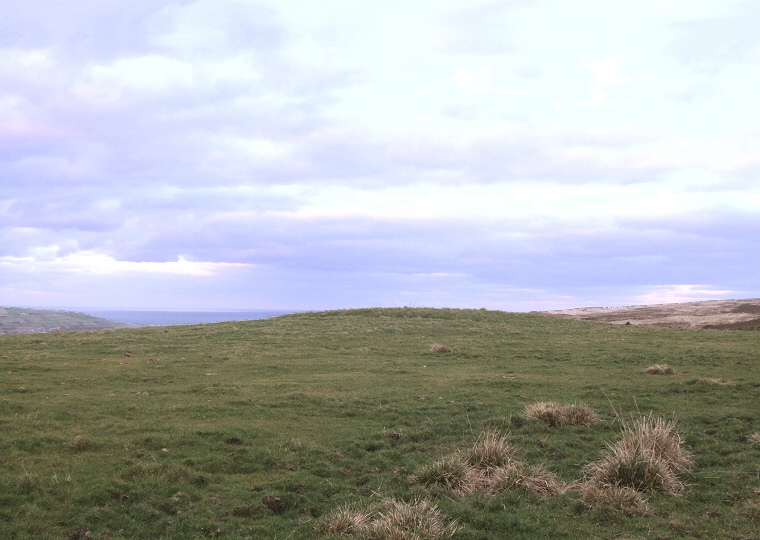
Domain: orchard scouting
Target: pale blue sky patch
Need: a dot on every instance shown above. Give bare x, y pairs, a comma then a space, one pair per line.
311, 155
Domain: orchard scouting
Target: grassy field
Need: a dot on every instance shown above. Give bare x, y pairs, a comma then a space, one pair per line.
182, 432
24, 321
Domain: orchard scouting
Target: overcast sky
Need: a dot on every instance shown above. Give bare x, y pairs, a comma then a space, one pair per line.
303, 154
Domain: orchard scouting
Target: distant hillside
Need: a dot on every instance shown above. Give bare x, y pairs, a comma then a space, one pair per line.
31, 321
724, 314
753, 324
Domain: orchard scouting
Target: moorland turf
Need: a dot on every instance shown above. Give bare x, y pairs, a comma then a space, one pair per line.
29, 321
182, 432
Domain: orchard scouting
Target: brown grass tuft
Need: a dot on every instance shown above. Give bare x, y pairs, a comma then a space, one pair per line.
490, 451
452, 473
504, 479
491, 465
713, 382
543, 482
554, 414
438, 348
754, 438
390, 520
659, 369
642, 473
649, 457
751, 509
410, 521
391, 434
624, 499
347, 521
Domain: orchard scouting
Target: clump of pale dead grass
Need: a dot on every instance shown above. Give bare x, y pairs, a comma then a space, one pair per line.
754, 438
504, 479
490, 451
438, 348
710, 381
451, 472
659, 369
649, 457
398, 520
751, 508
555, 414
346, 521
624, 499
390, 520
643, 473
491, 466
541, 481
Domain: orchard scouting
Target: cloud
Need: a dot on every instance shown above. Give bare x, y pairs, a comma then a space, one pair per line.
712, 44
215, 26
606, 73
399, 153
46, 260
20, 62
146, 74
482, 30
683, 293
481, 82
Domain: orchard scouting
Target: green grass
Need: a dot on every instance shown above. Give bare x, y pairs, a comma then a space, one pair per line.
25, 321
183, 437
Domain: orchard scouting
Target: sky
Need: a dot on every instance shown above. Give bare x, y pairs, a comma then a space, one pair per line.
299, 154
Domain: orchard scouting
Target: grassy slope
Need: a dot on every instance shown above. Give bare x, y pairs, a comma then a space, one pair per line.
753, 325
46, 320
183, 436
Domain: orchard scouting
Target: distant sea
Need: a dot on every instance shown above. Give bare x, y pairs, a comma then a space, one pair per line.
171, 318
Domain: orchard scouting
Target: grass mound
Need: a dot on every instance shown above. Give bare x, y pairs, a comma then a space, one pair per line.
649, 457
659, 369
390, 520
554, 414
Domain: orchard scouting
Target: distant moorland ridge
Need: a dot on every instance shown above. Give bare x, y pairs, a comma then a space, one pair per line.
32, 321
724, 314
719, 314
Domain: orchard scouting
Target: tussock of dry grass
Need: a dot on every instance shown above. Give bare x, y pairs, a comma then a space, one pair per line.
544, 482
624, 499
390, 520
490, 451
491, 465
643, 473
391, 434
751, 509
554, 414
504, 479
713, 382
659, 369
347, 521
452, 473
438, 348
754, 438
410, 521
649, 457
